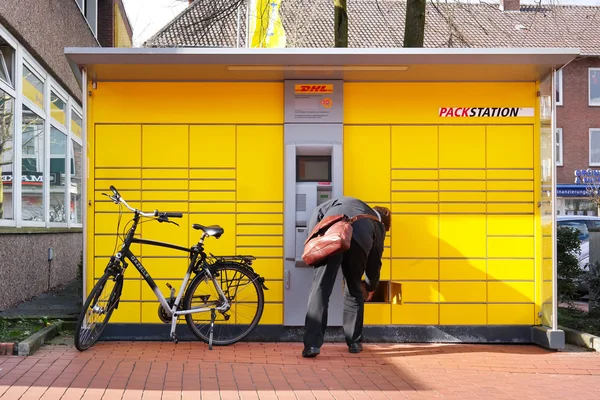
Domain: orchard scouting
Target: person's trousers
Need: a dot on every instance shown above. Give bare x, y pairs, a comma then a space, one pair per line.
353, 263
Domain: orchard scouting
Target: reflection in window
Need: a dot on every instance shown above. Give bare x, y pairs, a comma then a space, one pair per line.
58, 155
58, 109
7, 57
32, 166
594, 86
76, 182
33, 87
76, 124
7, 104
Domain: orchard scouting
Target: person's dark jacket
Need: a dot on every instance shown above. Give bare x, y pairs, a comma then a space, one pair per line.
369, 234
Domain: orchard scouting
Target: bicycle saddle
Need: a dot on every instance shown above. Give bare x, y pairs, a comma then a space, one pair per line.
213, 230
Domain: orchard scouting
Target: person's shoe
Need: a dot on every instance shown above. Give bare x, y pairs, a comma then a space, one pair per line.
355, 348
311, 352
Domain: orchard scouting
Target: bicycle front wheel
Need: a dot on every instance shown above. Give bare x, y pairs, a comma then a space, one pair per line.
97, 310
245, 295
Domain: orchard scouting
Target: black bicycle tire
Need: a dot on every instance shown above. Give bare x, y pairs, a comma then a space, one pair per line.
194, 284
98, 286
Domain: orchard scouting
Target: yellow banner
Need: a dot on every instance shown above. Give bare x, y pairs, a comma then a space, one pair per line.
265, 27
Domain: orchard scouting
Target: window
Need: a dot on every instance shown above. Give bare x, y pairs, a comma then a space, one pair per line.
32, 152
595, 146
58, 175
559, 88
76, 191
58, 108
7, 62
7, 107
594, 87
33, 87
579, 225
559, 146
76, 124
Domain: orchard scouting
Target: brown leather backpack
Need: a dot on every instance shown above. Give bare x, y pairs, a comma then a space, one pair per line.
329, 237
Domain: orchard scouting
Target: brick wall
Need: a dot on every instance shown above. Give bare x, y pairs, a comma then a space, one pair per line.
105, 23
576, 118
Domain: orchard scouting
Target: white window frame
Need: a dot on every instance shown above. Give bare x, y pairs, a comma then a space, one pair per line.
597, 131
559, 161
12, 222
27, 102
589, 81
559, 87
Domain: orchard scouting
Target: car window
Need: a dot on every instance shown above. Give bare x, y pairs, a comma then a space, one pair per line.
580, 225
595, 224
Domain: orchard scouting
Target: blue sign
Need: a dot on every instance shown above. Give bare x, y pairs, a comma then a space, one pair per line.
571, 191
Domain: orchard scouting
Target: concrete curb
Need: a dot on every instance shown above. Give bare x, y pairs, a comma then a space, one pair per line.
32, 344
581, 339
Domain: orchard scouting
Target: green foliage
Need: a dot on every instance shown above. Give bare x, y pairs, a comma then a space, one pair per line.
592, 278
568, 249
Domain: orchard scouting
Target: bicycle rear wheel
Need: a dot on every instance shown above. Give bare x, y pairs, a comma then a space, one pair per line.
246, 297
97, 310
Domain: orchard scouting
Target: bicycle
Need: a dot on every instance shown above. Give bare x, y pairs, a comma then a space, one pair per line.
206, 269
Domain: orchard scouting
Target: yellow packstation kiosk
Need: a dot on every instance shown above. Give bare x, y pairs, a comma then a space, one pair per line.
458, 143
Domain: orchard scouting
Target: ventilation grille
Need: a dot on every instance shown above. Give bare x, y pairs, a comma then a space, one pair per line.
300, 202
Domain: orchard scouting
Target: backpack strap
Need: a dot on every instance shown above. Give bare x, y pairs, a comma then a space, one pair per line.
361, 216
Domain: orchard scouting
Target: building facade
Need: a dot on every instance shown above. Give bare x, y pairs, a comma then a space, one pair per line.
41, 148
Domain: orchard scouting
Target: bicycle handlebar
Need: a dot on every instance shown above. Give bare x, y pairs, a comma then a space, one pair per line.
164, 215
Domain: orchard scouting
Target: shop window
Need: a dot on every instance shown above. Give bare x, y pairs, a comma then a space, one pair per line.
559, 146
559, 88
75, 191
595, 146
32, 152
58, 175
580, 207
7, 104
58, 109
76, 124
594, 86
7, 62
33, 87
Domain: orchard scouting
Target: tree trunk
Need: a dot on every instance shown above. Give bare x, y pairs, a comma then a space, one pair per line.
340, 27
414, 26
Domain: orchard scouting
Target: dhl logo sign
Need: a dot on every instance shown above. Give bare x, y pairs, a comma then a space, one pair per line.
313, 89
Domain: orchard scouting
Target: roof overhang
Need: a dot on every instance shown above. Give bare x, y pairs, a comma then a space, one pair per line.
349, 64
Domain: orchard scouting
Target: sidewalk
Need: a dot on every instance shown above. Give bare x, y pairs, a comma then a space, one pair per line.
150, 370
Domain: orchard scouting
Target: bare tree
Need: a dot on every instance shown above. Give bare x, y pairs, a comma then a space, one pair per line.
340, 27
414, 26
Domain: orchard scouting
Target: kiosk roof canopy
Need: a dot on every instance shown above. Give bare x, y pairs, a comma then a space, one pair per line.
381, 65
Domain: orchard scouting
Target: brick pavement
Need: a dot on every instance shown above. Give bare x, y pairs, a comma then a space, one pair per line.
150, 370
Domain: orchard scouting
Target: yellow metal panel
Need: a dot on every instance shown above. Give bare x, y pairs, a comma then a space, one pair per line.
259, 163
107, 223
162, 184
415, 314
131, 289
523, 208
163, 173
454, 208
167, 267
111, 137
212, 207
415, 269
417, 236
410, 174
259, 207
463, 292
517, 197
168, 206
463, 197
212, 185
462, 147
377, 314
260, 229
260, 218
462, 185
164, 195
128, 312
414, 147
387, 252
269, 268
212, 146
275, 292
514, 270
547, 247
261, 251
547, 268
225, 245
408, 208
205, 102
462, 236
212, 173
420, 292
510, 185
474, 174
511, 292
165, 146
510, 146
415, 185
130, 196
110, 207
511, 314
506, 174
463, 314
547, 292
463, 270
148, 294
272, 314
260, 241
385, 272
109, 245
117, 173
415, 197
370, 145
212, 196
121, 184
521, 225
510, 247
169, 233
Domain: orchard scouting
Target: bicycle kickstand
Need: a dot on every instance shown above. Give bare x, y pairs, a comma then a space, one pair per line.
213, 316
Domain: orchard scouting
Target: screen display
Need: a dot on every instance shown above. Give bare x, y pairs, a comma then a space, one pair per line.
313, 169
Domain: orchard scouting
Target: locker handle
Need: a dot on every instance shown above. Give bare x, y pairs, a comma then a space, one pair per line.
286, 279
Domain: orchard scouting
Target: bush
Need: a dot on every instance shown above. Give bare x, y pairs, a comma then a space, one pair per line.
568, 247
